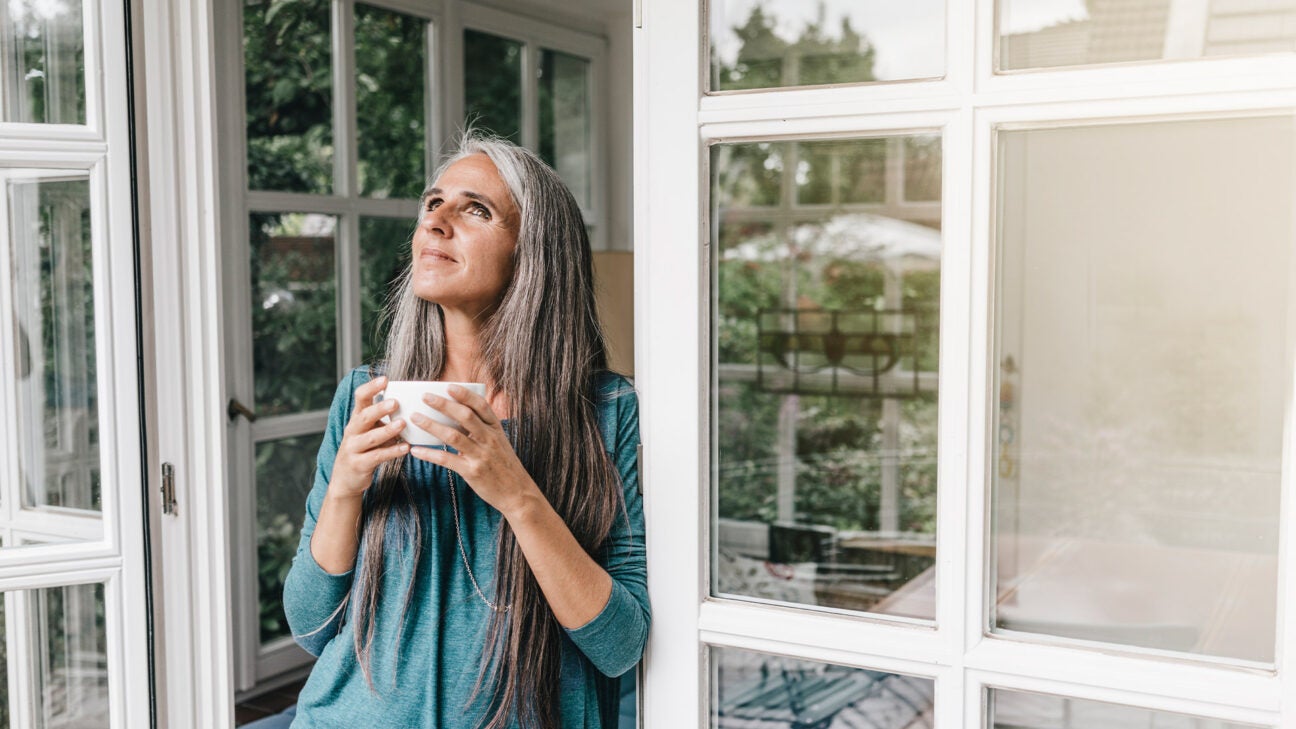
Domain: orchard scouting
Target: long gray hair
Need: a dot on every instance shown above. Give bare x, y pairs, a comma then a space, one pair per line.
543, 346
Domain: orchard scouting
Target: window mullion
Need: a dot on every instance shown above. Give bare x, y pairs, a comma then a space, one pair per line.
530, 96
346, 185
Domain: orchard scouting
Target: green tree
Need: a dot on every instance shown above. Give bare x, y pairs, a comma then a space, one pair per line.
289, 93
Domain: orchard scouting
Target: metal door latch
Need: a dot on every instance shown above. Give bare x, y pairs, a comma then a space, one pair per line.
168, 489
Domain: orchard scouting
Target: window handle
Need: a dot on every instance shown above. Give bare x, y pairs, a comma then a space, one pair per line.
236, 408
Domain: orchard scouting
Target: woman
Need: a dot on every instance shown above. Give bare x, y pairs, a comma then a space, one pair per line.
500, 581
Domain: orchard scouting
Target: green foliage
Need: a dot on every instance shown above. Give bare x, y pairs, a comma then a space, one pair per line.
284, 475
384, 255
391, 78
493, 84
289, 93
276, 545
294, 314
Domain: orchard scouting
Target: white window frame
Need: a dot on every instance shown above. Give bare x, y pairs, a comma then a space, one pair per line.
110, 552
536, 36
674, 120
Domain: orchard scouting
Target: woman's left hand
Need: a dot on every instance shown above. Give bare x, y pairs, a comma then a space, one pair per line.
485, 459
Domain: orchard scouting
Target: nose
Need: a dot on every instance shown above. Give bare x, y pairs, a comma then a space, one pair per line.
434, 221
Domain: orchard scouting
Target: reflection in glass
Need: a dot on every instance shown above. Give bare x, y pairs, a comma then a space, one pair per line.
756, 44
285, 472
42, 71
751, 689
391, 73
56, 639
825, 351
287, 60
493, 84
1022, 710
565, 120
1140, 382
842, 171
384, 255
1073, 32
53, 331
294, 312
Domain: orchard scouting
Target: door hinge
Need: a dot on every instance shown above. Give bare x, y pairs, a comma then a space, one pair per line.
168, 489
638, 13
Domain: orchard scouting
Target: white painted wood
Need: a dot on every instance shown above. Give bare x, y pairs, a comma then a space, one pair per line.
1286, 628
113, 543
670, 332
185, 184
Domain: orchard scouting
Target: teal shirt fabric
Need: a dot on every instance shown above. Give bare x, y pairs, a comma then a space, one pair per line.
424, 670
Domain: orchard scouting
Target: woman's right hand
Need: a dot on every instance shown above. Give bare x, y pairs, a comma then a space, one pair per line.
366, 442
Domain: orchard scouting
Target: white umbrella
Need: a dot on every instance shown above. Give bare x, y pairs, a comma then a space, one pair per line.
897, 244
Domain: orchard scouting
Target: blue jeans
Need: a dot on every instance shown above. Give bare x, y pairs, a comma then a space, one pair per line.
278, 721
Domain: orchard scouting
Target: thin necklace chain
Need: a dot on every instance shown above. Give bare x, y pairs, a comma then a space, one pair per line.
463, 554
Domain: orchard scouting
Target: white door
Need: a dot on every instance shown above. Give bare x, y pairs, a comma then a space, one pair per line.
965, 356
75, 634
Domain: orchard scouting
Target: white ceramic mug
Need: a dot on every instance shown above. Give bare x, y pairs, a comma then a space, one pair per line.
409, 396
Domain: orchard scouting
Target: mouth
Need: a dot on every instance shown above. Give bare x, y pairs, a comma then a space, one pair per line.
435, 254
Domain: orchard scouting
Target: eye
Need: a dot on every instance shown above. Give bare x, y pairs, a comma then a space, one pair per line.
433, 203
479, 210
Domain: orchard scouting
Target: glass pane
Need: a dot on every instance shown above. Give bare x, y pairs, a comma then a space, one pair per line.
751, 689
842, 171
1141, 318
287, 60
42, 62
56, 638
825, 350
391, 74
384, 255
285, 472
1073, 33
758, 44
53, 343
294, 312
1022, 710
493, 84
565, 120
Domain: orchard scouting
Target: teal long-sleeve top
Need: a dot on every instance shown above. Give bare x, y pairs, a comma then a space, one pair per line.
425, 668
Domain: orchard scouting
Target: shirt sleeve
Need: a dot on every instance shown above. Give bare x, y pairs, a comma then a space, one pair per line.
314, 600
614, 640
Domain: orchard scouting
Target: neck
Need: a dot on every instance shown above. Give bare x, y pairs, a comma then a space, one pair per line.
462, 351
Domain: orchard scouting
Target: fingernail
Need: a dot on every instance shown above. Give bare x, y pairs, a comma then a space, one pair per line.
398, 423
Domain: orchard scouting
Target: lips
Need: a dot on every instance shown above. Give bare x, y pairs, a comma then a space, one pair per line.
435, 254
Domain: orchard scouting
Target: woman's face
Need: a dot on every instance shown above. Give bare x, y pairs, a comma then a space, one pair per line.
463, 246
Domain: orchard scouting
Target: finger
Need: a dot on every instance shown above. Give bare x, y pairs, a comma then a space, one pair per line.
446, 433
435, 455
378, 456
379, 437
365, 393
367, 419
457, 411
474, 401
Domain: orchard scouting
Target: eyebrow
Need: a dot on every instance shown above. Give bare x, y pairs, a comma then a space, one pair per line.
466, 193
